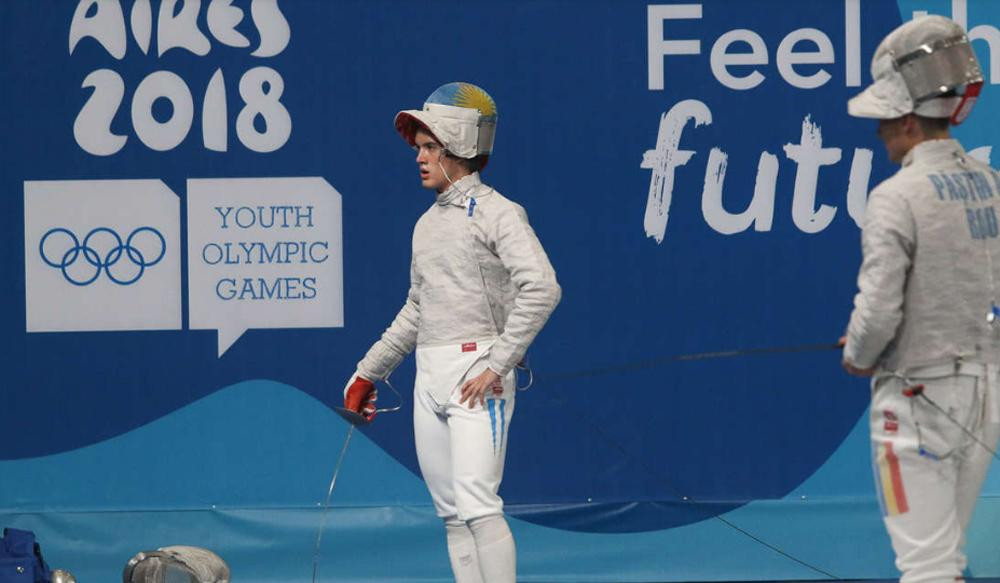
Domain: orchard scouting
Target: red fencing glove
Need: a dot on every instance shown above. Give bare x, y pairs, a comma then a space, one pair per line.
360, 396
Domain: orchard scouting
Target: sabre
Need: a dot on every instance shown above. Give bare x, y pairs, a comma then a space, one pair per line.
354, 419
653, 363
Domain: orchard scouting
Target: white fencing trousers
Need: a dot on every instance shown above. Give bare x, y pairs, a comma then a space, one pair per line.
461, 450
928, 471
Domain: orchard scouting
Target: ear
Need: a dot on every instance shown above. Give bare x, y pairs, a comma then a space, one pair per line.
912, 127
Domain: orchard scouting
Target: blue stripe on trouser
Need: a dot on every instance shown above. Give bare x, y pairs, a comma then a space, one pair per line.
503, 420
493, 421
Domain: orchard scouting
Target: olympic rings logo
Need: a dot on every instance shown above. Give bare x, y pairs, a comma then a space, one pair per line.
102, 250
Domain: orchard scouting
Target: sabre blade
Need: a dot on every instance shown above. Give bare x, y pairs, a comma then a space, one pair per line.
326, 503
354, 419
663, 360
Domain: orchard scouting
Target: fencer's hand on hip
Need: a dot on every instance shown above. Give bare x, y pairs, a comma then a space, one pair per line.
475, 389
360, 396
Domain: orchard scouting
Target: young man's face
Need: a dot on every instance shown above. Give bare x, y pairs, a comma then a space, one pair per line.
433, 163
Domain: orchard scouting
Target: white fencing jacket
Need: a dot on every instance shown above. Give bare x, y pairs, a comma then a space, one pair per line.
925, 286
478, 273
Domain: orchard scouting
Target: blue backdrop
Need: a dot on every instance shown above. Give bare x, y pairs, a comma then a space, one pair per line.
622, 465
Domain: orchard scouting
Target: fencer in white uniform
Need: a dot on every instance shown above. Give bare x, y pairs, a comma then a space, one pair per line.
925, 314
481, 288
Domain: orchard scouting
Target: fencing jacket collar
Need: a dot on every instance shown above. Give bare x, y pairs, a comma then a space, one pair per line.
932, 150
455, 194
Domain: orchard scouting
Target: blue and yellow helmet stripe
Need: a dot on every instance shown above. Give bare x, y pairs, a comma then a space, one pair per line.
462, 94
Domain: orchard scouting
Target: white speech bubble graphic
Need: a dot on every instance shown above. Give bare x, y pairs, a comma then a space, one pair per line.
101, 255
263, 253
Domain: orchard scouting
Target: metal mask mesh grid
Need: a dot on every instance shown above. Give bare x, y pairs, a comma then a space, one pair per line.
176, 564
937, 68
